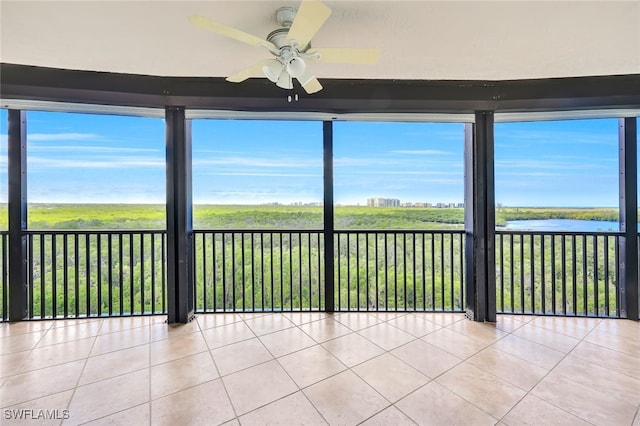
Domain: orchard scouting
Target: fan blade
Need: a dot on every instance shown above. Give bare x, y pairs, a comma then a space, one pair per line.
346, 56
310, 83
227, 31
246, 73
310, 17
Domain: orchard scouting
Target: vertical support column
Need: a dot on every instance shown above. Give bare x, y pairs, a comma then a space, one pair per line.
180, 284
628, 245
327, 157
17, 164
479, 219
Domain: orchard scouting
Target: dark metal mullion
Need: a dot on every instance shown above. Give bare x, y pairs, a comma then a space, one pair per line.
442, 269
574, 274
522, 302
233, 271
54, 277
585, 285
224, 272
142, 278
564, 274
29, 277
433, 271
424, 273
553, 273
262, 268
415, 292
451, 267
543, 270
203, 238
595, 276
282, 271
376, 272
131, 277
328, 215
253, 272
244, 307
76, 258
512, 273
533, 274
501, 272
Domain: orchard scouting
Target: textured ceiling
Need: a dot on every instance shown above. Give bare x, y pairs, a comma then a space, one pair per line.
457, 40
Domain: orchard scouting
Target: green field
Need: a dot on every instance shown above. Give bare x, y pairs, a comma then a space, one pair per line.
244, 260
145, 216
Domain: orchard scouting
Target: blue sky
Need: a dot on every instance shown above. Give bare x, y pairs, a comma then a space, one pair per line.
86, 158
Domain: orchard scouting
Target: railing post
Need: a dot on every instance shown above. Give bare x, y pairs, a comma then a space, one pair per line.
17, 165
479, 219
628, 245
327, 143
180, 284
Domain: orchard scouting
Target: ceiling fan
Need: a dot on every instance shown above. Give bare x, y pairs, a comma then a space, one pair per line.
290, 45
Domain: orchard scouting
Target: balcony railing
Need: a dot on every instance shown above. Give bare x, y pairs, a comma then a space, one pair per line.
115, 273
399, 271
258, 270
558, 273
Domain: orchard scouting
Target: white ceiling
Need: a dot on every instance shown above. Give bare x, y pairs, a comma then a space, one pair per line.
451, 40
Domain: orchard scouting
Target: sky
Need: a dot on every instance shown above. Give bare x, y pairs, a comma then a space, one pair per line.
88, 158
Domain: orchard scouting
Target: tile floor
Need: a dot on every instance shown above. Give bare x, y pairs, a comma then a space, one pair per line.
315, 368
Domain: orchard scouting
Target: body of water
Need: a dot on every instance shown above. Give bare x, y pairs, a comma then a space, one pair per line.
569, 225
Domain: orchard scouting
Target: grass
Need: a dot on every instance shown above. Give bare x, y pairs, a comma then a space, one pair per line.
149, 216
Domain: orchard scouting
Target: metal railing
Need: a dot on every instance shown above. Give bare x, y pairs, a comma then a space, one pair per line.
258, 270
96, 273
557, 273
4, 275
399, 270
116, 273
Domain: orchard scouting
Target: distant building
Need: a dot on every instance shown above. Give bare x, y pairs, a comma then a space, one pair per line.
460, 205
383, 202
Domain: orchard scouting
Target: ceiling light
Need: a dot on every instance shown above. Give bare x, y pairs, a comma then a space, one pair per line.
273, 70
296, 67
285, 81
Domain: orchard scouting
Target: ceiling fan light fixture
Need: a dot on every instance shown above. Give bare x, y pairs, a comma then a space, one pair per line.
296, 67
273, 70
285, 81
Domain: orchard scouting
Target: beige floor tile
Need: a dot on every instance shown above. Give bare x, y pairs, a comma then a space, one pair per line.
454, 343
426, 358
49, 410
630, 329
300, 318
491, 394
257, 386
386, 316
622, 344
179, 347
577, 328
268, 324
48, 356
111, 325
286, 341
241, 355
386, 336
24, 327
206, 321
391, 377
387, 417
40, 383
70, 332
508, 367
345, 399
325, 329
548, 338
601, 378
117, 340
446, 318
356, 321
434, 404
616, 361
11, 363
20, 342
294, 409
114, 364
508, 323
73, 321
585, 402
233, 422
352, 349
415, 324
522, 318
533, 411
161, 331
483, 332
311, 365
227, 334
636, 420
109, 396
182, 373
139, 415
205, 404
251, 315
542, 356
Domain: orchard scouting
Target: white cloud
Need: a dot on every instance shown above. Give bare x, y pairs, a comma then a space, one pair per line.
62, 136
421, 152
103, 163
